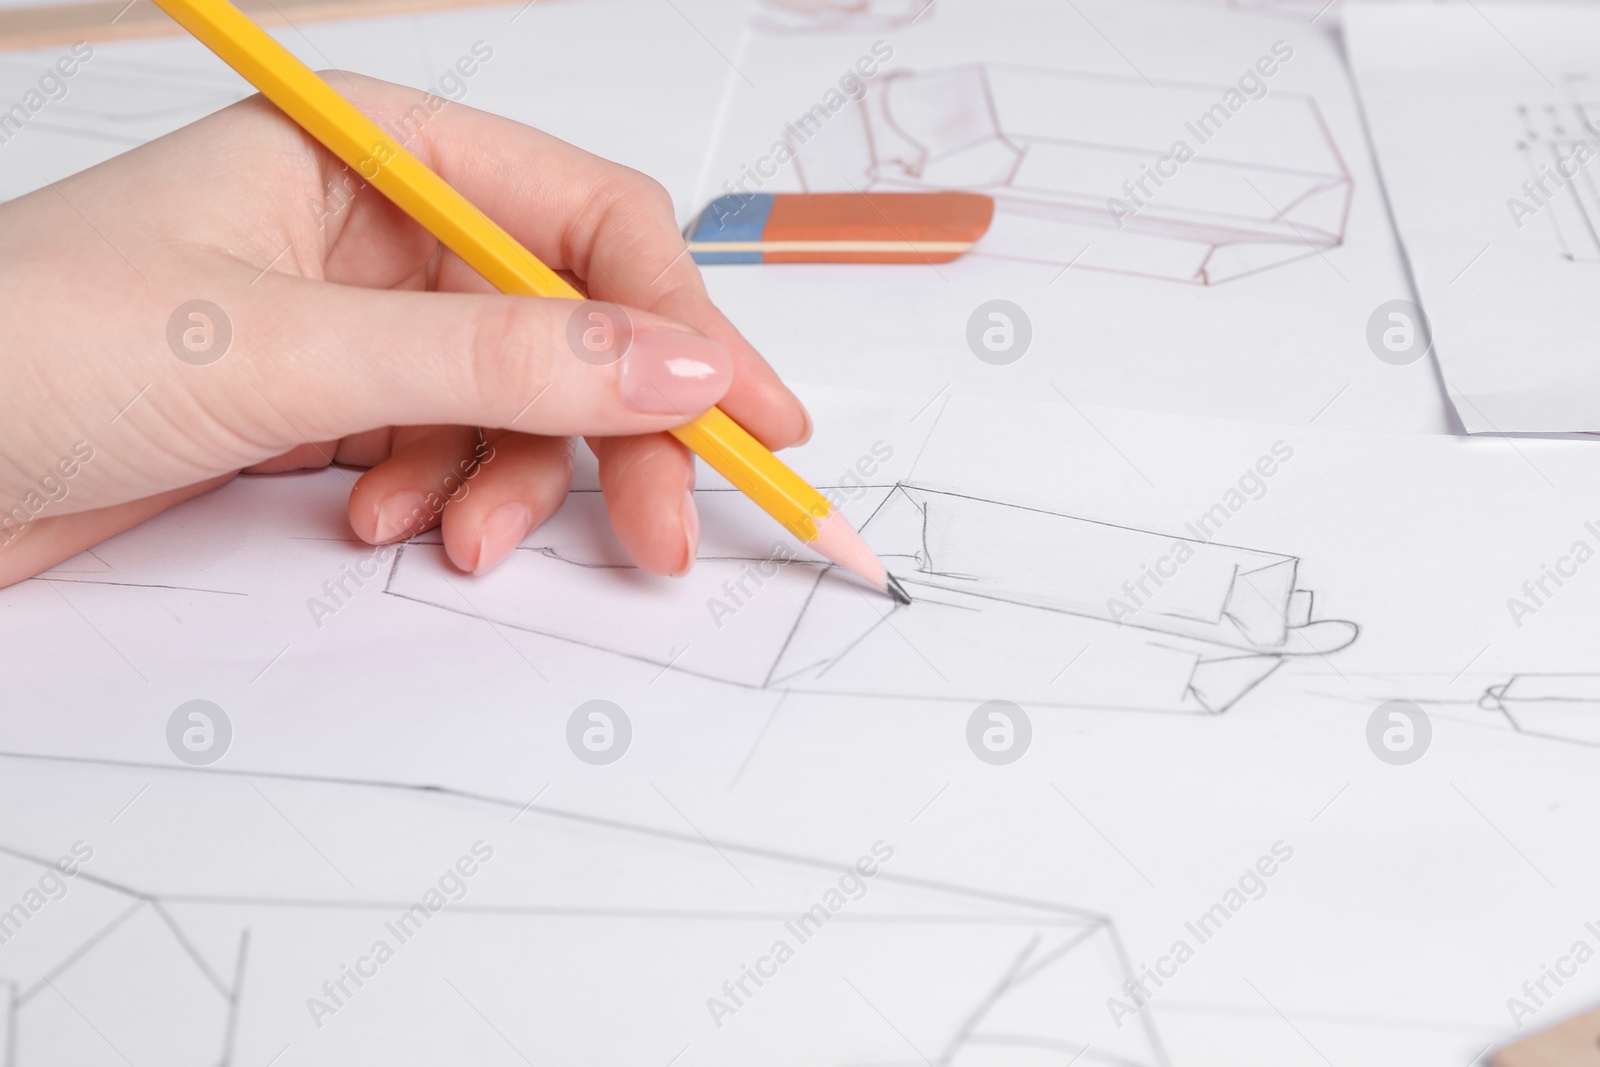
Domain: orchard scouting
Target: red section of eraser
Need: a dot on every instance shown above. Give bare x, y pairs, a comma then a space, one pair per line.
949, 218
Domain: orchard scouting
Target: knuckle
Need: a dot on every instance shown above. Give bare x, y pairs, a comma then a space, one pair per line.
511, 355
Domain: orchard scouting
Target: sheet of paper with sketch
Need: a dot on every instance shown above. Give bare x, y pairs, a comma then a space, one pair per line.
622, 940
1193, 225
1484, 120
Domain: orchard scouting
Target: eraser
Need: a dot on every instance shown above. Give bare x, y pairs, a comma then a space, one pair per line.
839, 227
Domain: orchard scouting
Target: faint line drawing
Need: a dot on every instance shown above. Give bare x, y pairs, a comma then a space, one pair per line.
1551, 133
1017, 972
830, 16
1003, 597
1558, 707
1265, 187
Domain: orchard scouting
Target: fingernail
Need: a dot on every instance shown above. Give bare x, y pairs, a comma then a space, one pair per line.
805, 432
503, 531
689, 515
399, 514
673, 372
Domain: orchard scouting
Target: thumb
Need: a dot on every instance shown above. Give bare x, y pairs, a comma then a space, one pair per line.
348, 359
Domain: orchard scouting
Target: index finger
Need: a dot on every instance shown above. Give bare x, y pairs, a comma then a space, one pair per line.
611, 226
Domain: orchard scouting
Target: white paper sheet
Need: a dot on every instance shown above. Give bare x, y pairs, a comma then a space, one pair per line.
1366, 568
1241, 288
131, 92
1469, 105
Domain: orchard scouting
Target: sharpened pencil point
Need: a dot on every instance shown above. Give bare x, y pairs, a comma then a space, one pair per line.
895, 589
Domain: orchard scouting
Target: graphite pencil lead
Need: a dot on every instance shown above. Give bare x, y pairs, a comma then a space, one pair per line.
896, 590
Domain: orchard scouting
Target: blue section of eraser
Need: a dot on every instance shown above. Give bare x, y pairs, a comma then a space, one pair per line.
736, 217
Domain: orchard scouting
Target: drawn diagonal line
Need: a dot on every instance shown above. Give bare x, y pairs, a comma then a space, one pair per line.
707, 40
1507, 40
668, 665
303, 837
102, 237
78, 953
1108, 41
91, 1025
931, 399
529, 804
887, 1023
1103, 437
1298, 232
971, 1022
96, 629
486, 1021
193, 953
885, 619
1103, 837
1281, 613
748, 756
1503, 837
1285, 1018
927, 438
1329, 804
703, 837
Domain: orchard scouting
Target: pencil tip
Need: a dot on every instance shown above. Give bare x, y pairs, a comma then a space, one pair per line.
895, 589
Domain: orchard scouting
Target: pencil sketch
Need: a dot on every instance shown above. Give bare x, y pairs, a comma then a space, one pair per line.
990, 973
1009, 602
1556, 143
830, 16
1060, 150
1558, 707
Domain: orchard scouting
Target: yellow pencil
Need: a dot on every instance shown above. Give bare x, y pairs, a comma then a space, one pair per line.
318, 108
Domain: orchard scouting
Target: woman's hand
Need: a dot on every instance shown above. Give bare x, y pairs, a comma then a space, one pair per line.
333, 329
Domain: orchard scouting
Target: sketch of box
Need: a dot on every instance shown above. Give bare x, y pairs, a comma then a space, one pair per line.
92, 954
1084, 167
1008, 603
1554, 137
970, 977
1561, 707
